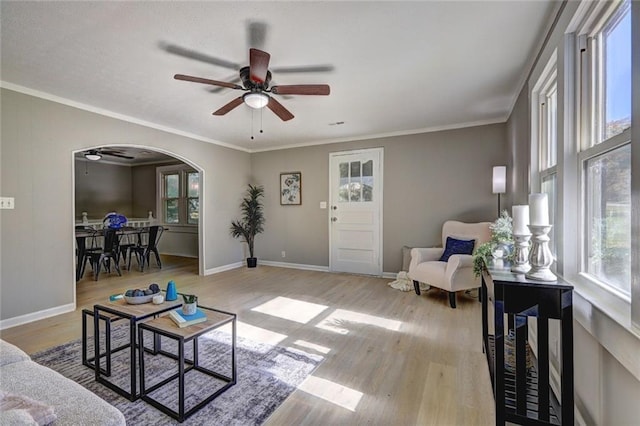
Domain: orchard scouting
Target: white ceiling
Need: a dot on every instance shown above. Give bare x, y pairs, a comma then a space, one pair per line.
398, 67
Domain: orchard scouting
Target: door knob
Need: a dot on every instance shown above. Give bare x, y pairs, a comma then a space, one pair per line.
333, 219
334, 207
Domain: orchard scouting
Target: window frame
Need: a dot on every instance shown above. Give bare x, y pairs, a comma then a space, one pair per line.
182, 171
590, 116
545, 137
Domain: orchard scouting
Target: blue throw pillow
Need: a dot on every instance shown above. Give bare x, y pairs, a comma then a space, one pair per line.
455, 246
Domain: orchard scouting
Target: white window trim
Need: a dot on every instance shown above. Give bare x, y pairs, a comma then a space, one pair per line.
160, 171
609, 302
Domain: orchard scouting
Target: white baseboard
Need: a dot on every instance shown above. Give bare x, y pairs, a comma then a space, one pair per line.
390, 275
223, 268
294, 265
189, 255
35, 316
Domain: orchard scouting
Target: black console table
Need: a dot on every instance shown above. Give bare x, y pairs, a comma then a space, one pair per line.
523, 395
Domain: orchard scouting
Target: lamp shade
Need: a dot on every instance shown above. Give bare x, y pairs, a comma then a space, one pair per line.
256, 100
499, 179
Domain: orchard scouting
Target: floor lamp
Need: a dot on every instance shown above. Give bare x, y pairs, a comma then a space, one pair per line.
499, 182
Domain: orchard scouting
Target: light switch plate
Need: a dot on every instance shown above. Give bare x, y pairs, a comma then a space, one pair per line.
7, 203
323, 204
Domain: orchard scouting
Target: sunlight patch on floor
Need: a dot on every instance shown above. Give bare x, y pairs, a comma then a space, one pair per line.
258, 334
333, 392
308, 345
341, 319
291, 309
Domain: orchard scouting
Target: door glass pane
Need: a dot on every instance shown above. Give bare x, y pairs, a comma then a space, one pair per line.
617, 78
355, 189
367, 181
343, 184
355, 169
367, 168
172, 186
367, 188
608, 194
193, 184
344, 170
171, 214
193, 205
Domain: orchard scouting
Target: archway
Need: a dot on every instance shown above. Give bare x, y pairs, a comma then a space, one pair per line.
139, 210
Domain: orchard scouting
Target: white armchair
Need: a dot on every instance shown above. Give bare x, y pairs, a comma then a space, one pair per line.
457, 272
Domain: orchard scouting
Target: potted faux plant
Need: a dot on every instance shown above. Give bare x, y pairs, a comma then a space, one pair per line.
499, 247
252, 221
502, 235
190, 305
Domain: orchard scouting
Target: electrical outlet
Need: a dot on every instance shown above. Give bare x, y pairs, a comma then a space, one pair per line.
7, 203
284, 253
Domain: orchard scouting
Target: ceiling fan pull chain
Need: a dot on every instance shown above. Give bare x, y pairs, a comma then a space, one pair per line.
261, 109
251, 124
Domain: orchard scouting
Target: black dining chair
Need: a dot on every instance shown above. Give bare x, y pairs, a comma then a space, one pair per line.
143, 251
129, 239
110, 251
85, 245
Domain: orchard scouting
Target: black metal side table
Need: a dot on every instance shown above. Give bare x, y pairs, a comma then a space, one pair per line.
164, 326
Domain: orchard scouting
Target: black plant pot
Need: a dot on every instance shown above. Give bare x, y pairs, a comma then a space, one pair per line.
252, 262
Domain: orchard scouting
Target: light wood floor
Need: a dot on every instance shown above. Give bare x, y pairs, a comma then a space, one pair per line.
391, 358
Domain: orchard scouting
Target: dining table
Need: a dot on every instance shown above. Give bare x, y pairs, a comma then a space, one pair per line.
84, 233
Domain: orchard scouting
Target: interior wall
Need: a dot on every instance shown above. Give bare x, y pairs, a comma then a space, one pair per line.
518, 143
143, 190
38, 141
419, 174
101, 188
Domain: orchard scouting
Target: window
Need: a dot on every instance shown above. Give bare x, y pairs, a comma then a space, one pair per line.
545, 115
179, 188
356, 181
605, 150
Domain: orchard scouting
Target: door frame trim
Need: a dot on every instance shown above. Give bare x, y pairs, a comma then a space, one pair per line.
380, 150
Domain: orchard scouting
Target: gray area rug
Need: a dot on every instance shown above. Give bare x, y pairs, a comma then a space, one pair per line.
266, 376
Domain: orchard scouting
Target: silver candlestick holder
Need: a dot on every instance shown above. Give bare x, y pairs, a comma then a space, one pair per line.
521, 257
540, 256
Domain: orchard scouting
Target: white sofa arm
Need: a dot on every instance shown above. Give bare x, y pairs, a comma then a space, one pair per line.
419, 255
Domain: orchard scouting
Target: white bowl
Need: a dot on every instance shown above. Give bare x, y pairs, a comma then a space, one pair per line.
138, 300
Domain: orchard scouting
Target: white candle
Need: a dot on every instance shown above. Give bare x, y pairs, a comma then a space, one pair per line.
539, 204
520, 220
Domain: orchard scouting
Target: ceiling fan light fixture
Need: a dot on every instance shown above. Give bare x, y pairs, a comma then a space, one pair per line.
92, 155
256, 100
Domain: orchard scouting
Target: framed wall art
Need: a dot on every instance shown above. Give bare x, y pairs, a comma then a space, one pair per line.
291, 188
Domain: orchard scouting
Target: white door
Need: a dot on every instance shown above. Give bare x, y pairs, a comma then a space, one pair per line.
355, 215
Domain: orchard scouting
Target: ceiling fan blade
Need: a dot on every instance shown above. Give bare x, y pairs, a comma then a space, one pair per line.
302, 89
206, 81
258, 65
310, 68
279, 110
232, 80
228, 107
192, 54
115, 154
256, 34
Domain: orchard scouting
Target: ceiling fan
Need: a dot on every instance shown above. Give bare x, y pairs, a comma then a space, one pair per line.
255, 80
96, 154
